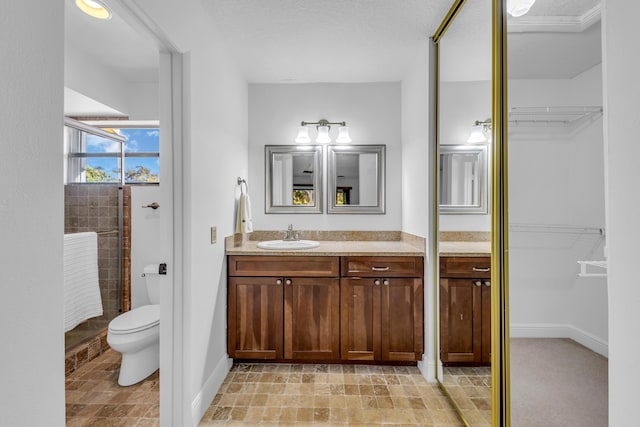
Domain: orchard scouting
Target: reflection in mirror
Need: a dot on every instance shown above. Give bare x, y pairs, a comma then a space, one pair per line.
464, 291
356, 179
293, 177
463, 179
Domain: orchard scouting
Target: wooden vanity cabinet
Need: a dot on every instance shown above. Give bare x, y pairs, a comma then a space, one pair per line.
465, 310
283, 307
382, 308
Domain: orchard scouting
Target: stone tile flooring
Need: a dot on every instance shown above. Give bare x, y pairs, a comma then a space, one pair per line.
94, 398
470, 388
330, 395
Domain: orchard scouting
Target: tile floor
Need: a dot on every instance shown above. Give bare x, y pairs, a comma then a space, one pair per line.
94, 398
470, 388
330, 395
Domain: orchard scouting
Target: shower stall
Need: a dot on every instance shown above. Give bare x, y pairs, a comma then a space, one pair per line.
96, 200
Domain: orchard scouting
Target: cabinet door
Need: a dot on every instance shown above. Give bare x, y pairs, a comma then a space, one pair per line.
360, 319
255, 319
311, 318
402, 319
460, 320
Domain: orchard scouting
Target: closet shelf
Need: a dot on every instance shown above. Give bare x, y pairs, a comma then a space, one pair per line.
584, 270
561, 118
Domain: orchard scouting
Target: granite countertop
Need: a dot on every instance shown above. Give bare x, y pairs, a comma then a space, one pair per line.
460, 248
465, 243
334, 244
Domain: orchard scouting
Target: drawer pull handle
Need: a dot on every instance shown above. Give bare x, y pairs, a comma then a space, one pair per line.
482, 270
380, 268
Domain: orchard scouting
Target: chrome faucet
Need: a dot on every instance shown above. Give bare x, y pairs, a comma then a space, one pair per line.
290, 235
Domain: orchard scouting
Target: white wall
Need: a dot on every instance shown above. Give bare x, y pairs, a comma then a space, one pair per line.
461, 104
417, 207
621, 89
214, 154
147, 231
31, 214
557, 179
372, 112
138, 101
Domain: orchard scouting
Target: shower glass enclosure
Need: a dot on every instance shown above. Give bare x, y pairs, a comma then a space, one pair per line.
95, 199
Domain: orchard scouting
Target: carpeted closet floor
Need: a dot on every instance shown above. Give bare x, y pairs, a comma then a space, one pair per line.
557, 382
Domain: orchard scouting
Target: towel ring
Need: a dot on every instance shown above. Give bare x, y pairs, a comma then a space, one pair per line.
246, 186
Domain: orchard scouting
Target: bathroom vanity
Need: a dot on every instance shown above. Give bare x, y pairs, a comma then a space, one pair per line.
343, 301
465, 303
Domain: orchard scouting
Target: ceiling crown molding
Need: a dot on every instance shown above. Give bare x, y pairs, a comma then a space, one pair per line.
554, 24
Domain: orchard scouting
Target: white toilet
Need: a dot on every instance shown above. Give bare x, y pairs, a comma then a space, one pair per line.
136, 333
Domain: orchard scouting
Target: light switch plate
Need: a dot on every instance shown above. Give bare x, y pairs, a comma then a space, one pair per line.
214, 235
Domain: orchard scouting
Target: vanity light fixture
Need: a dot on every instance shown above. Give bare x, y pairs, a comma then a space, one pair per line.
518, 8
479, 131
94, 8
323, 126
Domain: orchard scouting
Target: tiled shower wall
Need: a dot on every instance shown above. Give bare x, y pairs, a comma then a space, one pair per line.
94, 207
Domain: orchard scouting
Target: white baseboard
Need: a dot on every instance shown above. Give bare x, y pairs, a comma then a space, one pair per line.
547, 330
204, 398
428, 369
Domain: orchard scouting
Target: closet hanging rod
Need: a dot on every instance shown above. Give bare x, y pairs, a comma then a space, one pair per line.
551, 115
554, 228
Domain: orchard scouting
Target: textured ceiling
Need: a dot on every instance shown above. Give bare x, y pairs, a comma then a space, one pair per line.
326, 41
350, 40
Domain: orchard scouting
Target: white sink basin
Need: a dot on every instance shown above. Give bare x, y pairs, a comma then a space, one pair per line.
288, 245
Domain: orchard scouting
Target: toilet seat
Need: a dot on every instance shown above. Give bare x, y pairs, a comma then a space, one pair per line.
136, 320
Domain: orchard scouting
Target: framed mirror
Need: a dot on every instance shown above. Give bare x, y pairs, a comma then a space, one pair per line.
293, 179
356, 179
463, 179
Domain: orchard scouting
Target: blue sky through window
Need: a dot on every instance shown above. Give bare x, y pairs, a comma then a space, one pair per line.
141, 140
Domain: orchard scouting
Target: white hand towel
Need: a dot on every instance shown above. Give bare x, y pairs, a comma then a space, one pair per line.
244, 222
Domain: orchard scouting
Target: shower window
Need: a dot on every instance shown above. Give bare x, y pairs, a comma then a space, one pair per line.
123, 155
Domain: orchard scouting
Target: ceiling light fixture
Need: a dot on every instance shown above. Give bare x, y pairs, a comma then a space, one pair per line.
518, 8
323, 126
479, 131
94, 8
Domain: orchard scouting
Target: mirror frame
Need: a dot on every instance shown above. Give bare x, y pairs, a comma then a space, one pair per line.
269, 151
500, 390
483, 182
332, 206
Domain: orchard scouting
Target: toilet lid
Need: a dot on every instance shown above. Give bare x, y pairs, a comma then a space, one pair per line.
138, 319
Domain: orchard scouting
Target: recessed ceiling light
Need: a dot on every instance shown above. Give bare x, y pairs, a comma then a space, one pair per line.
95, 8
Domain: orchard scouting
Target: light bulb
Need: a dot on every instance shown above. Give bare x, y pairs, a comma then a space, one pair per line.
343, 135
94, 8
518, 8
323, 135
303, 135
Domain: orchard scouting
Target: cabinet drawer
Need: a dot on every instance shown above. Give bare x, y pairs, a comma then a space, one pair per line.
479, 267
381, 266
299, 266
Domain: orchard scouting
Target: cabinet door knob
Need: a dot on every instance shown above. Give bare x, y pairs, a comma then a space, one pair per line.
385, 282
478, 283
287, 282
279, 282
487, 283
376, 282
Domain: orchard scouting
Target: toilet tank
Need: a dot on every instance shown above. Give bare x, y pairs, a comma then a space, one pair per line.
154, 276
